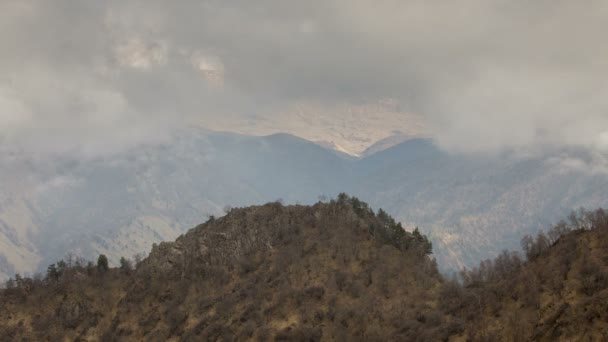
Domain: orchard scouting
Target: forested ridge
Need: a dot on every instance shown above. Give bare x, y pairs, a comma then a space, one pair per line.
331, 271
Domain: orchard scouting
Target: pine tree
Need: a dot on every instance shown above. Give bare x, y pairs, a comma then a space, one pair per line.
102, 263
125, 265
52, 273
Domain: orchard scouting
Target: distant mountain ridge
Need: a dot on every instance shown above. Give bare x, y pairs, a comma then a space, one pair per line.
472, 207
354, 129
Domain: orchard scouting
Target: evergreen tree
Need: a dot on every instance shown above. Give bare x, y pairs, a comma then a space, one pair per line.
102, 263
61, 267
52, 273
423, 241
125, 265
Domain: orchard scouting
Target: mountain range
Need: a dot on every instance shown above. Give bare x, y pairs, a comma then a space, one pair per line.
472, 207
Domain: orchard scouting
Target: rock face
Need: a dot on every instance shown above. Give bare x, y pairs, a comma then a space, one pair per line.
220, 242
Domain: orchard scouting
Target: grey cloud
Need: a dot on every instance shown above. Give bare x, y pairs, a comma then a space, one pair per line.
98, 76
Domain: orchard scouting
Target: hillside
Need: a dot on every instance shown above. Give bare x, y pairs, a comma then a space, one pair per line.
331, 271
559, 294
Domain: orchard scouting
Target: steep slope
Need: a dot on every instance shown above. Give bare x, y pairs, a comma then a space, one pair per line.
18, 222
332, 271
559, 294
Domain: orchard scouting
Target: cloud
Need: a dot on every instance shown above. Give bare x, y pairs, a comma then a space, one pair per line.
137, 54
594, 163
96, 77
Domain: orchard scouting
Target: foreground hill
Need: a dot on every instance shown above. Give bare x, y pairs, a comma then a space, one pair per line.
335, 271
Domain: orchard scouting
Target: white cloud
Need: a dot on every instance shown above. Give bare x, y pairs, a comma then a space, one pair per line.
136, 53
489, 76
210, 68
603, 141
14, 113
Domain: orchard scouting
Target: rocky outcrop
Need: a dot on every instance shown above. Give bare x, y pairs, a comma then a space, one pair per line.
224, 240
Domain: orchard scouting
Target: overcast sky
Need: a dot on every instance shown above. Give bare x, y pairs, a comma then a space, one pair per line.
93, 77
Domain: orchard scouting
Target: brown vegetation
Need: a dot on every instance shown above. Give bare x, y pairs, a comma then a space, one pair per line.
332, 271
560, 293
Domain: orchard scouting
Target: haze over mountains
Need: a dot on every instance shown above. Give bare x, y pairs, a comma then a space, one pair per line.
472, 207
473, 124
96, 101
355, 129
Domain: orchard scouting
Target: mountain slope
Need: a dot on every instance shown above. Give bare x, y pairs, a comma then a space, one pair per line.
472, 207
330, 271
559, 294
119, 206
354, 129
333, 272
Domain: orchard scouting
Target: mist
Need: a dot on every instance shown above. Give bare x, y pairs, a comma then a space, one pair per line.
91, 79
